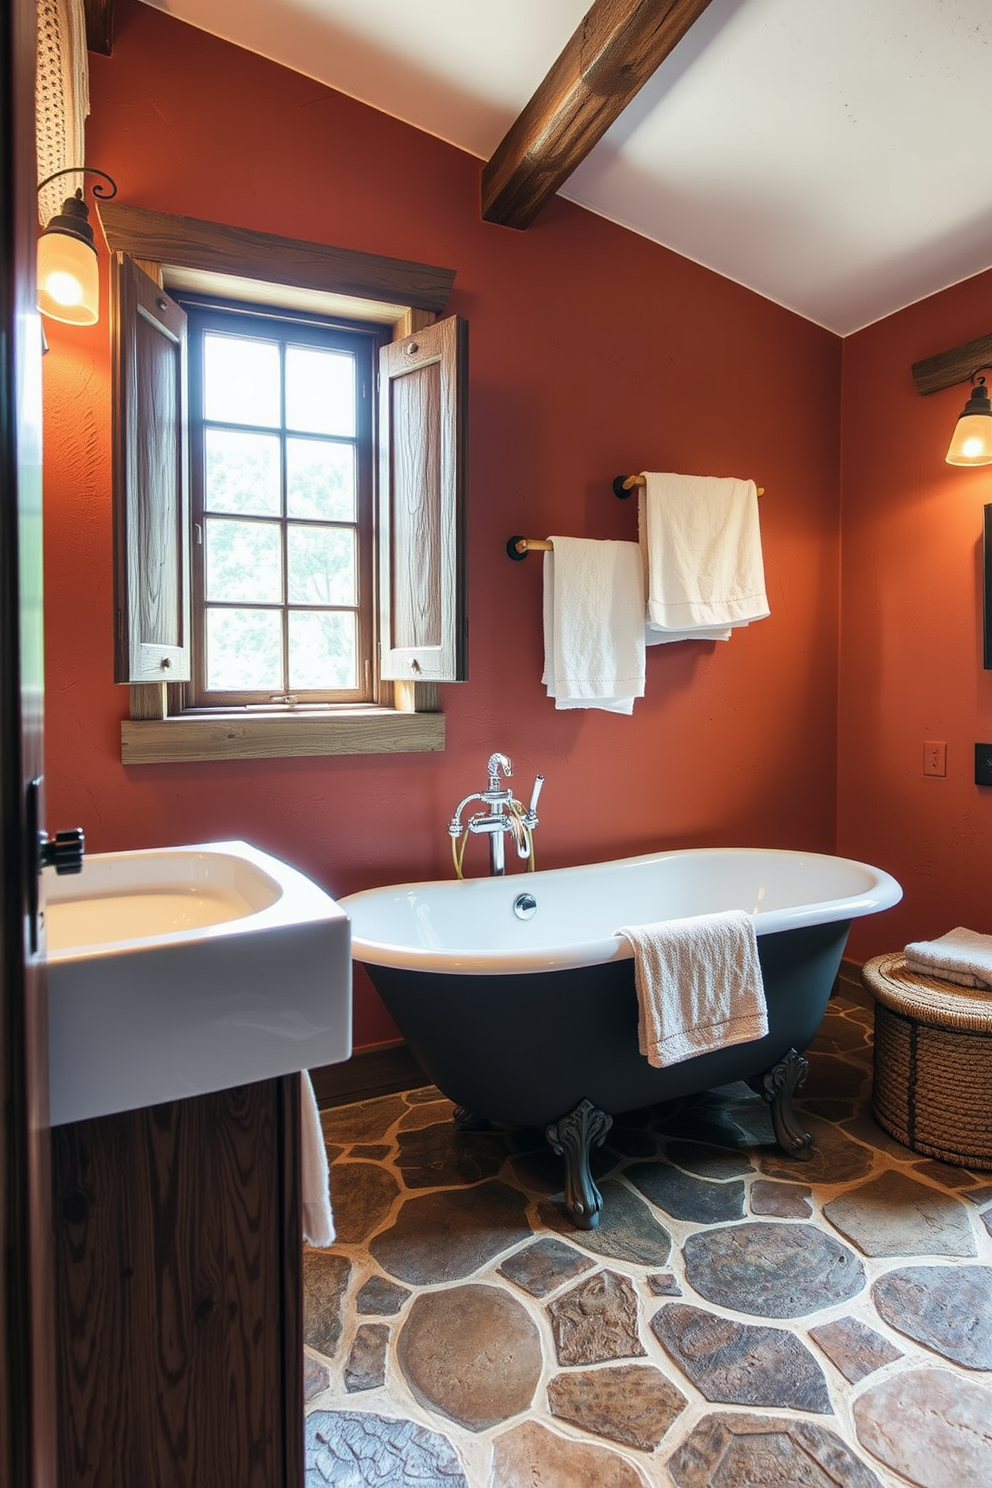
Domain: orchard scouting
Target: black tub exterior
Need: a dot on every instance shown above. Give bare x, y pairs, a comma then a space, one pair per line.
527, 1049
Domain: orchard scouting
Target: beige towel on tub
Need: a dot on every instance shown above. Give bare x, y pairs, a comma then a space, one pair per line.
315, 1176
699, 985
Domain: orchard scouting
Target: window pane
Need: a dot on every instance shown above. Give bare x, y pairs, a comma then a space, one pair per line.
322, 566
323, 650
244, 561
241, 380
242, 472
320, 480
320, 391
244, 650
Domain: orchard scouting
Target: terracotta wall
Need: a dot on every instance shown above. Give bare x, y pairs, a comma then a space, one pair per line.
593, 352
911, 648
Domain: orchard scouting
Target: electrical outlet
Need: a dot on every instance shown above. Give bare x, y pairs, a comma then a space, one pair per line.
983, 764
934, 757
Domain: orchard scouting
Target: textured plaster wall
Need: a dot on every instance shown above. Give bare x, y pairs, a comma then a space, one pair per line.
593, 352
911, 645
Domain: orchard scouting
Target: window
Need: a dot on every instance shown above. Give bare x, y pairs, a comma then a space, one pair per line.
281, 444
289, 516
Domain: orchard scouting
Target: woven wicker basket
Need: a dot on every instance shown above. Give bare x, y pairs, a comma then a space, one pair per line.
933, 1063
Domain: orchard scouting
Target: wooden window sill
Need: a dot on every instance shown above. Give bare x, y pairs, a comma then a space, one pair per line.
187, 737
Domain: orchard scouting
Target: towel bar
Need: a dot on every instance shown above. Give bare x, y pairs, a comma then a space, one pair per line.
624, 484
518, 547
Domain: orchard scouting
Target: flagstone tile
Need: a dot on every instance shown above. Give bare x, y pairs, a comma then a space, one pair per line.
325, 1280
741, 1363
946, 1308
426, 1113
684, 1196
316, 1377
707, 1161
439, 1156
471, 1352
933, 1427
359, 1447
365, 1368
771, 1269
664, 1284
854, 1348
362, 1194
782, 1200
729, 1451
627, 1229
446, 1236
596, 1321
630, 1403
373, 1151
531, 1456
544, 1266
893, 1215
834, 1159
365, 1121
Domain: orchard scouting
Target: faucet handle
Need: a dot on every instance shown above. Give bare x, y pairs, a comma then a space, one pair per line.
531, 817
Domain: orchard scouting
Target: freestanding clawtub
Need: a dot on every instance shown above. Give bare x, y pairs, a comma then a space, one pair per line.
517, 997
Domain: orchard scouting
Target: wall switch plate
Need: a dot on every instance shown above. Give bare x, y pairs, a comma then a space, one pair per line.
934, 757
983, 764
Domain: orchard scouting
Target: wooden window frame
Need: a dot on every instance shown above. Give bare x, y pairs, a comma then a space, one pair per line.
187, 253
362, 341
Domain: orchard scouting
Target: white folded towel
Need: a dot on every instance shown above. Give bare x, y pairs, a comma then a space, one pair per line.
961, 956
315, 1177
699, 985
701, 547
594, 624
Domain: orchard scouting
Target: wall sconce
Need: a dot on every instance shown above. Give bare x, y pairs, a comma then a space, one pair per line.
68, 269
971, 442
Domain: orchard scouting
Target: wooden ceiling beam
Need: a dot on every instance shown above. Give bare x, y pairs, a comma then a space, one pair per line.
99, 26
615, 49
935, 373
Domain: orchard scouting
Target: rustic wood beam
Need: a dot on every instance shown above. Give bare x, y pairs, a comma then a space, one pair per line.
616, 48
948, 367
99, 26
191, 243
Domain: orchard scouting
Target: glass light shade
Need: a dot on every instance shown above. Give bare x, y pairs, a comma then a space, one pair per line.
68, 278
971, 442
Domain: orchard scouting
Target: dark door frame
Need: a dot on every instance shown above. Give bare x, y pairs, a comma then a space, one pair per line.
27, 1393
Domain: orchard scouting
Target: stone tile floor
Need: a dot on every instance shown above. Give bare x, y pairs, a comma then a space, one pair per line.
738, 1318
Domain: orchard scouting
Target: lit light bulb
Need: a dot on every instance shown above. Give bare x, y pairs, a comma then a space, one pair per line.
64, 289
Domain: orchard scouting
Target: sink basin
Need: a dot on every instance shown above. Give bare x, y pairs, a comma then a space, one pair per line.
176, 971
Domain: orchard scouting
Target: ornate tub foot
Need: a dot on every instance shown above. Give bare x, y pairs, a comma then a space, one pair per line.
573, 1137
467, 1121
778, 1085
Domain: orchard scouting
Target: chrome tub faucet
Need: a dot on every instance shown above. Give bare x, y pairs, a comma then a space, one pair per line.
504, 815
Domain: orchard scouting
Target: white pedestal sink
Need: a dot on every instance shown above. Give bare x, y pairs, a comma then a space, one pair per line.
176, 971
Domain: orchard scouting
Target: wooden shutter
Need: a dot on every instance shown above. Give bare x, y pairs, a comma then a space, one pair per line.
422, 459
151, 486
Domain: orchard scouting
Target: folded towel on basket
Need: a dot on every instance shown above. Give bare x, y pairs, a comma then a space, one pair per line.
699, 985
318, 1221
594, 624
961, 956
701, 547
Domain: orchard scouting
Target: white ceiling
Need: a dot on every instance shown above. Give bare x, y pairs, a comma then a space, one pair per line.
831, 154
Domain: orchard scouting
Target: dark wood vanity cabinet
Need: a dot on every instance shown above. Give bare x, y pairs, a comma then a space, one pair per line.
178, 1293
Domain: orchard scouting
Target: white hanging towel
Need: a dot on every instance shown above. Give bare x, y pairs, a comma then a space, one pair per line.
315, 1177
594, 624
701, 547
961, 956
699, 985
